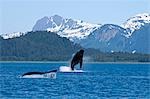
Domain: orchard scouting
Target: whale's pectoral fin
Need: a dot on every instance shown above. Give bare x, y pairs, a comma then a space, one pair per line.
81, 63
72, 67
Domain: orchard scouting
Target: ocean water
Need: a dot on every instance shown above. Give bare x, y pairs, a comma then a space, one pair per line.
99, 81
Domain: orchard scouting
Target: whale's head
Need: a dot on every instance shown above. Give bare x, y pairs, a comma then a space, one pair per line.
81, 51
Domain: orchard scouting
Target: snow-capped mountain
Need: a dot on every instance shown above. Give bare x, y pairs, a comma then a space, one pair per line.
12, 35
70, 28
133, 36
135, 23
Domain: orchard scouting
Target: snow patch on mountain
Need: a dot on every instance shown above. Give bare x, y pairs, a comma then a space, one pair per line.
12, 35
81, 31
70, 28
135, 22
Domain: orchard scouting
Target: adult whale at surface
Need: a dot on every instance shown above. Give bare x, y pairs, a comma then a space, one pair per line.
49, 74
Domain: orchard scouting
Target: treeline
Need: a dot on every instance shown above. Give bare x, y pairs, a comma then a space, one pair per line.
39, 45
48, 46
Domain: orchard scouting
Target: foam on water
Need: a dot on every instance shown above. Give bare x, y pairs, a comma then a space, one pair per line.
68, 69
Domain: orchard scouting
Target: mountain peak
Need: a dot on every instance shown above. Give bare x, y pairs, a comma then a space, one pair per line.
56, 15
144, 16
135, 22
65, 27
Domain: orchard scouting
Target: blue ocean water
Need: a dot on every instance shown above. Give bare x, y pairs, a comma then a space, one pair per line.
99, 81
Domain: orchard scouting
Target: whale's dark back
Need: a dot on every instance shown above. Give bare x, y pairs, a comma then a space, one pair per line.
31, 73
40, 73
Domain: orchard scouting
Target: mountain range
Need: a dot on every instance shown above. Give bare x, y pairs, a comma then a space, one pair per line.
132, 36
49, 46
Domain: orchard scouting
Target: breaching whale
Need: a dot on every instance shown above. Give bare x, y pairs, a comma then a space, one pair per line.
78, 58
49, 74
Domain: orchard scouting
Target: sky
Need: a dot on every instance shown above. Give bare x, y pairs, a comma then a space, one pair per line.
21, 15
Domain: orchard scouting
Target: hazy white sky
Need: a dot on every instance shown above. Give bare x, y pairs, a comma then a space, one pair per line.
21, 15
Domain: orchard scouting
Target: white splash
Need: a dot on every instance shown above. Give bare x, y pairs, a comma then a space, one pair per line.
68, 69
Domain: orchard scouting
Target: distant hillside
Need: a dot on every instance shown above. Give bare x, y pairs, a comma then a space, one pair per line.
48, 46
37, 46
140, 40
